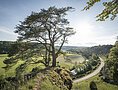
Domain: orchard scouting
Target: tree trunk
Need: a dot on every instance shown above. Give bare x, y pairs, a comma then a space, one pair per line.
53, 57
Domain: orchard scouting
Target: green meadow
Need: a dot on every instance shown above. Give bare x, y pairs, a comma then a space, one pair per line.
84, 85
74, 58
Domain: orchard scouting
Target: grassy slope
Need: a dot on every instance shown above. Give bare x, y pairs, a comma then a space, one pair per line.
2, 57
11, 71
84, 85
45, 84
74, 58
81, 86
62, 63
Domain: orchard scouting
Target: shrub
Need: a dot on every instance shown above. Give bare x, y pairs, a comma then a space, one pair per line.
93, 85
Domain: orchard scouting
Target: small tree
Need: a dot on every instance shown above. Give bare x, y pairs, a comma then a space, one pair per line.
49, 28
93, 85
95, 57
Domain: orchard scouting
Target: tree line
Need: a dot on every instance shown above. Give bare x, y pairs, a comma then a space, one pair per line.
110, 70
87, 52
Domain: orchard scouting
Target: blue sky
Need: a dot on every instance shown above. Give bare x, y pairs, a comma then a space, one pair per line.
88, 31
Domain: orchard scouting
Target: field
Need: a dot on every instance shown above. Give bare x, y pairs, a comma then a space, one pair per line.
62, 62
2, 57
11, 71
84, 85
73, 59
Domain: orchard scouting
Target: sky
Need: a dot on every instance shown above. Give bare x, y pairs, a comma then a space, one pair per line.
89, 32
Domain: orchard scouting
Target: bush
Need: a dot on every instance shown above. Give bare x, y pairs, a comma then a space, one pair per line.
93, 85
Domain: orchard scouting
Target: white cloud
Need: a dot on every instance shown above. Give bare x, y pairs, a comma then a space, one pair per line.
7, 31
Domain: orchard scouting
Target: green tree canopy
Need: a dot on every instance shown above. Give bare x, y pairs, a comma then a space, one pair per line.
47, 27
110, 71
110, 9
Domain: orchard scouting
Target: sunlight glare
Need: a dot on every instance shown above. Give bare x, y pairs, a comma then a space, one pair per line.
85, 29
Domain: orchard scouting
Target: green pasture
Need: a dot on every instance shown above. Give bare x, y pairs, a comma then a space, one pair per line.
2, 57
73, 59
11, 71
62, 62
84, 85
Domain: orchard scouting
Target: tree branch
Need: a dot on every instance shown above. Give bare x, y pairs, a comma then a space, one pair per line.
60, 46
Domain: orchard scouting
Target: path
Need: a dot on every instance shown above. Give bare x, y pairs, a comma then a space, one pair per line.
91, 74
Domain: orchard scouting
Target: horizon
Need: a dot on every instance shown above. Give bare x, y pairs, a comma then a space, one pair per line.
89, 32
70, 45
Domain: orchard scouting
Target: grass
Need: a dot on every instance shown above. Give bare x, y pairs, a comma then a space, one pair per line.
84, 85
2, 57
75, 58
11, 71
62, 62
46, 84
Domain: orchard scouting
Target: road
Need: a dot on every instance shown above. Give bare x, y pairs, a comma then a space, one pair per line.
91, 74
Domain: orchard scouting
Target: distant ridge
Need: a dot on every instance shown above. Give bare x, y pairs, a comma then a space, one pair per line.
71, 47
